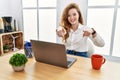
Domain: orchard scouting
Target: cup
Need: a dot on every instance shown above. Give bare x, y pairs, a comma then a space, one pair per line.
97, 61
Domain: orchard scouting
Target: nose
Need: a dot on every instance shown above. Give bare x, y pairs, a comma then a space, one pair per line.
71, 17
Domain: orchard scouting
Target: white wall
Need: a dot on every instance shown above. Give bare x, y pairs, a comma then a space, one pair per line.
16, 11
12, 8
4, 6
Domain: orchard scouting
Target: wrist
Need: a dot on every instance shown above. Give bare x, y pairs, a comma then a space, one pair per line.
94, 32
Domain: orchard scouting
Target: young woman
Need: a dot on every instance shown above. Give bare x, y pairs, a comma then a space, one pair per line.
75, 34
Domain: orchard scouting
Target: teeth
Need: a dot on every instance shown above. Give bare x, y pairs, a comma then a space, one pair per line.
72, 21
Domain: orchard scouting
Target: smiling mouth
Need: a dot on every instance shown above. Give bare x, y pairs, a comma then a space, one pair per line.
72, 21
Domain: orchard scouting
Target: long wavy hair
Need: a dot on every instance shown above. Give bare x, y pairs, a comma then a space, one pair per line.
64, 19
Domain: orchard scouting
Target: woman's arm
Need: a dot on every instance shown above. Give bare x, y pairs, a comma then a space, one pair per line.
97, 39
60, 31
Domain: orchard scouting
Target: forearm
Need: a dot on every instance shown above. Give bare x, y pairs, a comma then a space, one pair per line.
97, 40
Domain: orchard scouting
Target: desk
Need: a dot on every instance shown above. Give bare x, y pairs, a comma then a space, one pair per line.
80, 70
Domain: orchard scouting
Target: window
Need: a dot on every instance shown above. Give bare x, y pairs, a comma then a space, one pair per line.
29, 3
39, 17
104, 16
30, 24
47, 23
119, 2
116, 46
47, 3
101, 20
100, 2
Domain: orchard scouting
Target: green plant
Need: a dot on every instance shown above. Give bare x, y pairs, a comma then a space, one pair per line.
18, 59
5, 47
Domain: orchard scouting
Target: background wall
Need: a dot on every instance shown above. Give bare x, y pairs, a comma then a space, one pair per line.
4, 7
12, 8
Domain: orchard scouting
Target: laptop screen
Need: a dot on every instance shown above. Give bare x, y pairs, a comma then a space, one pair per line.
51, 53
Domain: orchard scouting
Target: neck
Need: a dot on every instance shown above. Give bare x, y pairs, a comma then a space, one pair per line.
75, 26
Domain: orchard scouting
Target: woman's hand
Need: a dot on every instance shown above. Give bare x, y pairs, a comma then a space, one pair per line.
93, 32
86, 33
61, 32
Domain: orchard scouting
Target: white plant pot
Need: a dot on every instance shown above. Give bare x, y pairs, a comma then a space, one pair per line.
7, 50
18, 68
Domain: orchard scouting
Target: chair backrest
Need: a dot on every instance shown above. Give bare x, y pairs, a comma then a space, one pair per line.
90, 48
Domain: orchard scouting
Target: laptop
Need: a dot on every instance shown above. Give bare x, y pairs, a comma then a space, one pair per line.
51, 53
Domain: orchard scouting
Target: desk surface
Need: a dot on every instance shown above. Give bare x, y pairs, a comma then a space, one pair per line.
80, 70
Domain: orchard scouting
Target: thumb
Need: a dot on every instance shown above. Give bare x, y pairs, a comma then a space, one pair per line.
63, 30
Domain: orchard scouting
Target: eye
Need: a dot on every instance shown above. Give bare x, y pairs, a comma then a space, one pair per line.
74, 14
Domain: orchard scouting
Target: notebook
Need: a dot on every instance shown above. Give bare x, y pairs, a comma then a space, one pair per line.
51, 53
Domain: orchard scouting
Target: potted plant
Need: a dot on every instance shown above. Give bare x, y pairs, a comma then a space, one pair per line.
5, 48
18, 61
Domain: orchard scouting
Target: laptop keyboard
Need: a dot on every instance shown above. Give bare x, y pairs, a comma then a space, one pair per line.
68, 62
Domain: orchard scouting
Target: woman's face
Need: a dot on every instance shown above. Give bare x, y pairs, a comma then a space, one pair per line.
73, 16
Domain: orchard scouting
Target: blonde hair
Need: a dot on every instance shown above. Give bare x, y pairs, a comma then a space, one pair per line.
64, 19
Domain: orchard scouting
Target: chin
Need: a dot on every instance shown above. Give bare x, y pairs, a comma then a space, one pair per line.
73, 23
